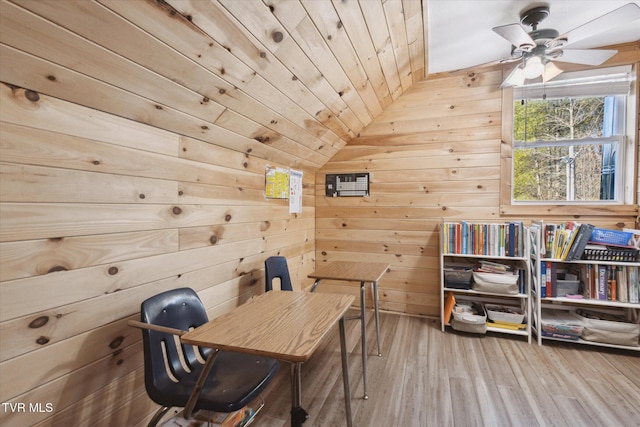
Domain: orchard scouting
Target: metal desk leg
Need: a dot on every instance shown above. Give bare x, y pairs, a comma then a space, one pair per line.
345, 373
374, 286
193, 397
364, 338
298, 414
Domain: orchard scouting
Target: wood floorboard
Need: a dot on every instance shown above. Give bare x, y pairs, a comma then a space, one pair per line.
430, 378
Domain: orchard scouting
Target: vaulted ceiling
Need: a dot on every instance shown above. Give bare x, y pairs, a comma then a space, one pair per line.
301, 77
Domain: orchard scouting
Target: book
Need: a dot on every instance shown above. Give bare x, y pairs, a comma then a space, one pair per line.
465, 237
511, 234
580, 242
450, 301
551, 273
543, 279
506, 325
602, 282
571, 237
588, 276
633, 285
563, 237
623, 288
549, 237
612, 284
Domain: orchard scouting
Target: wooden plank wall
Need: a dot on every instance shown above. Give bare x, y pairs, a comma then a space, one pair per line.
100, 212
134, 140
433, 155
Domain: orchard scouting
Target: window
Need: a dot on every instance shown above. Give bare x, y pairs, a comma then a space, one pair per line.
564, 149
570, 140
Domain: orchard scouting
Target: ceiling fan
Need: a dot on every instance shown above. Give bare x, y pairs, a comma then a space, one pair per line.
539, 49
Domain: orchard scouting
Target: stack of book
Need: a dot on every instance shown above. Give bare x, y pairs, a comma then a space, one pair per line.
602, 282
506, 239
565, 241
571, 240
561, 324
611, 282
494, 267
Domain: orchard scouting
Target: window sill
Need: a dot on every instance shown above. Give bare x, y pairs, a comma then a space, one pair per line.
574, 211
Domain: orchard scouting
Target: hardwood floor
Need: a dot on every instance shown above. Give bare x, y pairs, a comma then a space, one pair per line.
430, 378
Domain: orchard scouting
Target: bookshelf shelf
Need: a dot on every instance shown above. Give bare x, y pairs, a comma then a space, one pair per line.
592, 343
586, 262
589, 297
485, 294
591, 302
507, 331
492, 246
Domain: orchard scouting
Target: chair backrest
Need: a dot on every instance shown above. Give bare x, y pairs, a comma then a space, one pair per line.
276, 267
180, 309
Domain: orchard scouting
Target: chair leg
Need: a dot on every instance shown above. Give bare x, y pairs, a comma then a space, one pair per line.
158, 415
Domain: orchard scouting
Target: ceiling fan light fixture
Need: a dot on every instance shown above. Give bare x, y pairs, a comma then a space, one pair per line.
538, 50
533, 67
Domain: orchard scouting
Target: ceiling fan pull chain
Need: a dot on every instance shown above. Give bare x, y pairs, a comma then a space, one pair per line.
526, 114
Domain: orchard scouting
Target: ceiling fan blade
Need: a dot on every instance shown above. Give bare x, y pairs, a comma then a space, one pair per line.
484, 65
516, 35
515, 78
551, 70
585, 56
616, 18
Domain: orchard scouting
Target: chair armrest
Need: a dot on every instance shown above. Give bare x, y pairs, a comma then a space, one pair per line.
158, 328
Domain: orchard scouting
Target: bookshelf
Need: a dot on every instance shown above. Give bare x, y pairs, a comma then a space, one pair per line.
557, 304
471, 244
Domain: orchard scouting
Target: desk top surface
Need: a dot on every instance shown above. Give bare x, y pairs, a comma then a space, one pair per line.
351, 271
280, 324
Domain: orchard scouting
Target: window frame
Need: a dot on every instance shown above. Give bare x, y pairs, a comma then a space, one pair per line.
628, 204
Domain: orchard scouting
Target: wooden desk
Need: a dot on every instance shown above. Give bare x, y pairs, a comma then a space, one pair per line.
284, 325
363, 272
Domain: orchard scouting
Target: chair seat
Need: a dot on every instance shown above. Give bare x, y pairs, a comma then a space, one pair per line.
235, 379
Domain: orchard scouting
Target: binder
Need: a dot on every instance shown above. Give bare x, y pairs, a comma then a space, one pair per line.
580, 242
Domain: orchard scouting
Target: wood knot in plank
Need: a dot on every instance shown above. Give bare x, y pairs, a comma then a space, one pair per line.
116, 342
32, 95
42, 340
277, 36
39, 322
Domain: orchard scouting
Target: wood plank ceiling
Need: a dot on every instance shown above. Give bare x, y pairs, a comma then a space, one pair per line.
301, 77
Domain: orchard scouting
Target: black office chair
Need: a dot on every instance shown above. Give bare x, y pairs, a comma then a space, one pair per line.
276, 267
235, 378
